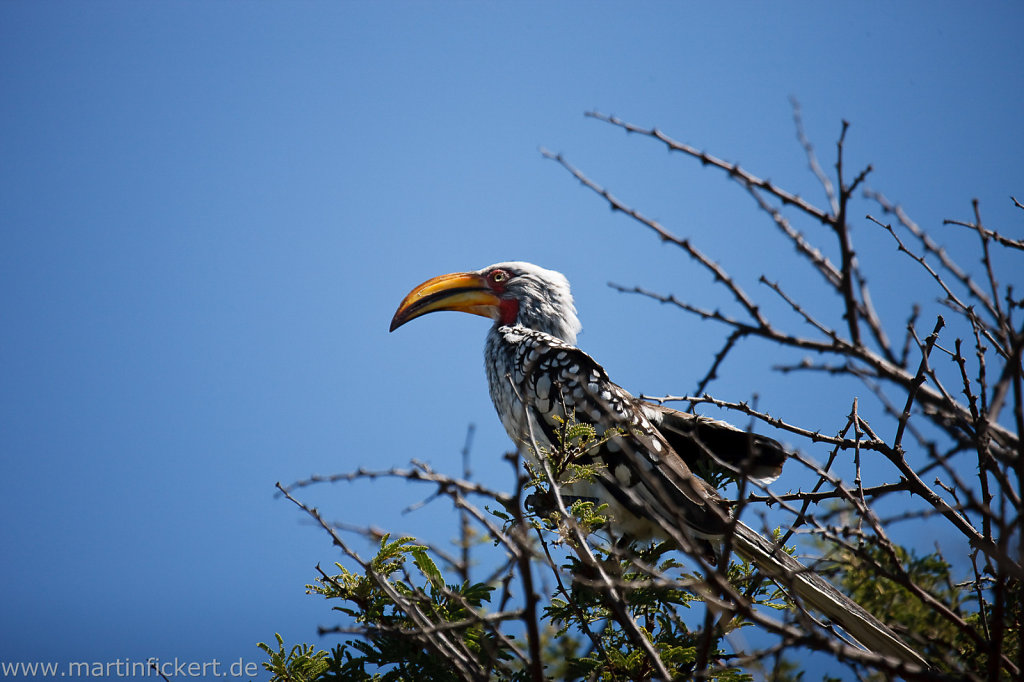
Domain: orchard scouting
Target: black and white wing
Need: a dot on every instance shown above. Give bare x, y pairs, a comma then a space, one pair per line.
646, 483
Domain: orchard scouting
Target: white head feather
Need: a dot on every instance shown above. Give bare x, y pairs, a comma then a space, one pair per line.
545, 300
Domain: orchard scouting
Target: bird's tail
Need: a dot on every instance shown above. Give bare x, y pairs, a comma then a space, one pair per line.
816, 592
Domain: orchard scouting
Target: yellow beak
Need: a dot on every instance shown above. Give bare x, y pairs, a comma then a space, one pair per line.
465, 292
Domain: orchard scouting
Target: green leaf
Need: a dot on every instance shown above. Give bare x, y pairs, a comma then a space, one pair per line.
427, 567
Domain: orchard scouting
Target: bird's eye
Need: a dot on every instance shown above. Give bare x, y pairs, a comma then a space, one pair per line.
499, 276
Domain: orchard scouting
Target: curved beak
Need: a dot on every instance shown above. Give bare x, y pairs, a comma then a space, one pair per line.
465, 292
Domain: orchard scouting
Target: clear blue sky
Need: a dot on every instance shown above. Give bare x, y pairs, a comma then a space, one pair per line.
210, 211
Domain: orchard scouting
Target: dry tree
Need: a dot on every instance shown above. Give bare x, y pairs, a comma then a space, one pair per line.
562, 600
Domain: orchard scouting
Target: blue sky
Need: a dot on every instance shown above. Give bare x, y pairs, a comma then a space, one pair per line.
211, 210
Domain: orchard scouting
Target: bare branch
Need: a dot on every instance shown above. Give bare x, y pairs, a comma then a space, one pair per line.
716, 270
734, 171
990, 234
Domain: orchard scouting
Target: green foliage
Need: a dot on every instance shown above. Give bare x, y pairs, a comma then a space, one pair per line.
401, 603
582, 639
302, 663
575, 440
581, 615
858, 574
392, 603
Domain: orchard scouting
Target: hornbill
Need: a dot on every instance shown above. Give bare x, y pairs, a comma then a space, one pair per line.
645, 453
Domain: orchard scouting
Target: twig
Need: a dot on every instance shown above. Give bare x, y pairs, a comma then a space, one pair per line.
733, 170
812, 159
991, 234
716, 270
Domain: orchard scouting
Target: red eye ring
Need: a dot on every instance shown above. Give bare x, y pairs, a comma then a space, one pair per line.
499, 276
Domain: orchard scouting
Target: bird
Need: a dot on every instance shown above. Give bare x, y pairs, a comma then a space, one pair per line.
645, 454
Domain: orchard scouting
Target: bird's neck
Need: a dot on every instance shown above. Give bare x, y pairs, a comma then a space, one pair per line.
563, 327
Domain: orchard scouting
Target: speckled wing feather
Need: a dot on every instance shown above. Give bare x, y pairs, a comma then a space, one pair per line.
639, 469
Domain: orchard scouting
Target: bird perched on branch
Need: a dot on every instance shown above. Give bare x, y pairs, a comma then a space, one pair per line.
645, 453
